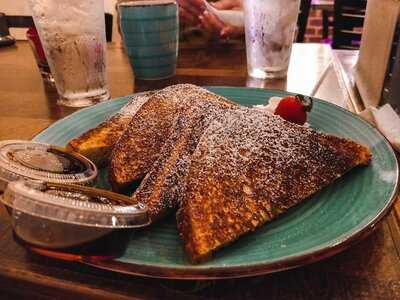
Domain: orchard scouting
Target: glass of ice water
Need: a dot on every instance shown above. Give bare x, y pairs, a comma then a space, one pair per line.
73, 37
270, 27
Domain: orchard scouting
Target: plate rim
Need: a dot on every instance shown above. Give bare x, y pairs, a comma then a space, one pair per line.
231, 272
242, 270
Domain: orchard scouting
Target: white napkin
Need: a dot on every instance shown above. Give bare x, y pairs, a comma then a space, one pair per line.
386, 120
230, 17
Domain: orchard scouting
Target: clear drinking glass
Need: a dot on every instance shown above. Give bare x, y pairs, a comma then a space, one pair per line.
270, 26
73, 36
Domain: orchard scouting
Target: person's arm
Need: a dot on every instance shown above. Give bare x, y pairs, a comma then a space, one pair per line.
190, 10
213, 24
193, 12
228, 4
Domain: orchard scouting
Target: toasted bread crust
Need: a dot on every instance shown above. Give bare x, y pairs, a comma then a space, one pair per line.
248, 168
164, 185
97, 143
140, 145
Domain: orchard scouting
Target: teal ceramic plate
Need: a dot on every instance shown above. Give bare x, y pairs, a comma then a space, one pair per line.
325, 224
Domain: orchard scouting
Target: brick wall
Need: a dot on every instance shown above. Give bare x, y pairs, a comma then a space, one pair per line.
314, 28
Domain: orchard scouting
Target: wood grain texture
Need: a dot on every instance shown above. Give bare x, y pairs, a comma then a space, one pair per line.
368, 270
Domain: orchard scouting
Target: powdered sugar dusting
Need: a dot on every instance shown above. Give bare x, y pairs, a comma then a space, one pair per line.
185, 94
265, 153
140, 145
135, 103
165, 184
248, 168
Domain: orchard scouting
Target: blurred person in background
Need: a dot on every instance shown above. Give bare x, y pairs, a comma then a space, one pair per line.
192, 12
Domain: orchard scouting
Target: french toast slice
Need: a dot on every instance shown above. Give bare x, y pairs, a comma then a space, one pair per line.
97, 143
140, 145
164, 185
248, 168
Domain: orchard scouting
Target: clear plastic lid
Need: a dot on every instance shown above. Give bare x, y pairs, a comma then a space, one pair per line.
75, 204
29, 160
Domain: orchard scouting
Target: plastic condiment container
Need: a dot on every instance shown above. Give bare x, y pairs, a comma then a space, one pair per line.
30, 160
56, 216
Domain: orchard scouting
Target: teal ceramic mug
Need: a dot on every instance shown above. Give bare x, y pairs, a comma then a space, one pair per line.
150, 31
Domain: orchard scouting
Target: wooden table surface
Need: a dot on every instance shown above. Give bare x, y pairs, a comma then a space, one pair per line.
368, 270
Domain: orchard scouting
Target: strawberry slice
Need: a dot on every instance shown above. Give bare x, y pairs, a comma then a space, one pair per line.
294, 108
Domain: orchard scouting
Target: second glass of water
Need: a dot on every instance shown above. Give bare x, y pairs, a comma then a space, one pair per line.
73, 37
270, 28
